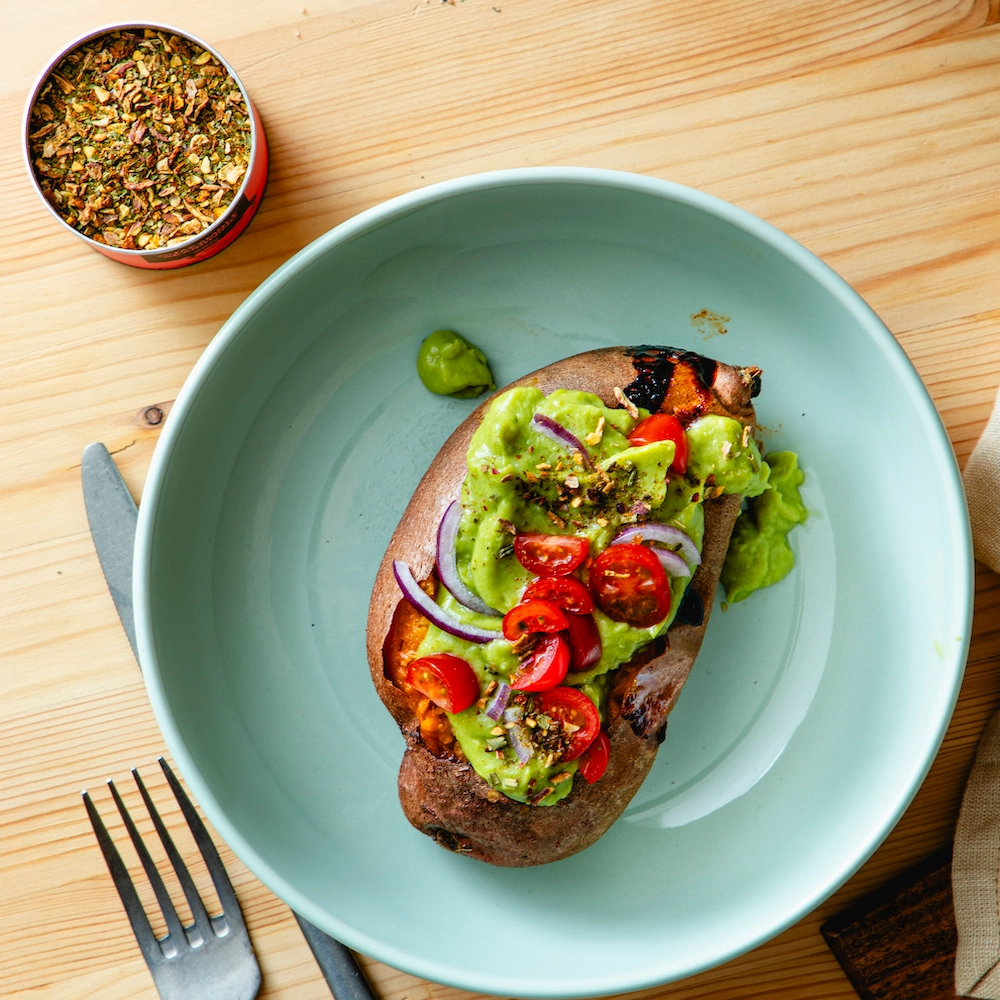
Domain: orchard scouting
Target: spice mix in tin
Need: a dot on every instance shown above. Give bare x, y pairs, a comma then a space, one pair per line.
143, 141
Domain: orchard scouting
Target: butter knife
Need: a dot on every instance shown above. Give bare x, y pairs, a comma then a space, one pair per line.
112, 514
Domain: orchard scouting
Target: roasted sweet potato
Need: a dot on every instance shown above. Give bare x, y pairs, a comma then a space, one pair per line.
440, 792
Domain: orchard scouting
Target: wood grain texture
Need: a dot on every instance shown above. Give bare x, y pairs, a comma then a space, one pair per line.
898, 943
867, 129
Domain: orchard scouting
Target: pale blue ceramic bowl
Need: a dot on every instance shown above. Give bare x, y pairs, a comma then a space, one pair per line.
815, 707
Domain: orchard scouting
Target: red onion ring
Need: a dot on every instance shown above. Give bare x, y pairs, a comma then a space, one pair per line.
499, 701
671, 562
430, 610
447, 563
556, 432
518, 735
654, 531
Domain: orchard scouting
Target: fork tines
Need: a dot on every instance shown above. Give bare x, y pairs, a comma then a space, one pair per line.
212, 951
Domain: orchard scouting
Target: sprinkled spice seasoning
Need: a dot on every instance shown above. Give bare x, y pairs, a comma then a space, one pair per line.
139, 139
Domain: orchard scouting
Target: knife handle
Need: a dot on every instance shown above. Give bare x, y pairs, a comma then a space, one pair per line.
339, 966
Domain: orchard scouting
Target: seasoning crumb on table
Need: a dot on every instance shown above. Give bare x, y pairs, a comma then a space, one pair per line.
139, 139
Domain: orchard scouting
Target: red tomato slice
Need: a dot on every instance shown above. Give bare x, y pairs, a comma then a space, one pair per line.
584, 642
662, 427
571, 705
550, 555
565, 591
446, 679
545, 668
533, 616
630, 585
594, 760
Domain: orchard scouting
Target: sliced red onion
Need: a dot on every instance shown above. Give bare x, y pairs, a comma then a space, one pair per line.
555, 430
654, 531
671, 561
499, 701
430, 610
447, 564
518, 735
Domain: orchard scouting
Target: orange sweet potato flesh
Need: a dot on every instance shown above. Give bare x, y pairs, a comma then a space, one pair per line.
441, 794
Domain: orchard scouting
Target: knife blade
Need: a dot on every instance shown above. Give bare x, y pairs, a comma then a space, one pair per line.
113, 515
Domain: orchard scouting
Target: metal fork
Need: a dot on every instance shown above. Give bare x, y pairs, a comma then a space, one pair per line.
112, 514
211, 958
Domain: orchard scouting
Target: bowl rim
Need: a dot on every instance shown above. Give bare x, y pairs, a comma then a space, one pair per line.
376, 217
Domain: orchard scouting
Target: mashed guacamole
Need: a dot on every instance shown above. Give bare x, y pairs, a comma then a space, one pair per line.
759, 554
520, 480
450, 366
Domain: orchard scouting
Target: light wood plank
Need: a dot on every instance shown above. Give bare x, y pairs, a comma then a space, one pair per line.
868, 130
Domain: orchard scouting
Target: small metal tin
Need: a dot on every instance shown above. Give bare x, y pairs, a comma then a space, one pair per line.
220, 233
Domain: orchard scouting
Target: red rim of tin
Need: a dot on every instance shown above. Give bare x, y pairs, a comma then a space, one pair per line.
225, 229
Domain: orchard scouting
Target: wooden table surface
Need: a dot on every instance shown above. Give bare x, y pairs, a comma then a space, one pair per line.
867, 129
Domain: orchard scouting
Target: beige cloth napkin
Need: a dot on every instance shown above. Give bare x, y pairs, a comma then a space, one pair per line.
982, 489
975, 870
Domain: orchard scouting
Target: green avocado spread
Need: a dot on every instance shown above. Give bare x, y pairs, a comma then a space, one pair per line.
521, 481
759, 553
451, 366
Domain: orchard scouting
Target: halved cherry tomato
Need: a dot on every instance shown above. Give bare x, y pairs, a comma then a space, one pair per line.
584, 642
446, 679
629, 584
545, 668
662, 427
533, 616
594, 760
550, 555
571, 705
565, 591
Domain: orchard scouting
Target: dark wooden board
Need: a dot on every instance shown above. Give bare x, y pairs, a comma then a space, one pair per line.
898, 943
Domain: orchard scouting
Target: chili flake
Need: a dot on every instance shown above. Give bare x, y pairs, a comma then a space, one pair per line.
139, 139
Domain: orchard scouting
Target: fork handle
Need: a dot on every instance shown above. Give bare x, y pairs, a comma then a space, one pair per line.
339, 967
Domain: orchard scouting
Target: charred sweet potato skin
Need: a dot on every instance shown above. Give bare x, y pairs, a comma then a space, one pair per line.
441, 795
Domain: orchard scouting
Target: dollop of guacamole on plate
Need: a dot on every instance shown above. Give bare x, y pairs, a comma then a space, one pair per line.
450, 366
759, 554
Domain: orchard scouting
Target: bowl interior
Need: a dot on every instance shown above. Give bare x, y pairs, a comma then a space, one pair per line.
812, 713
